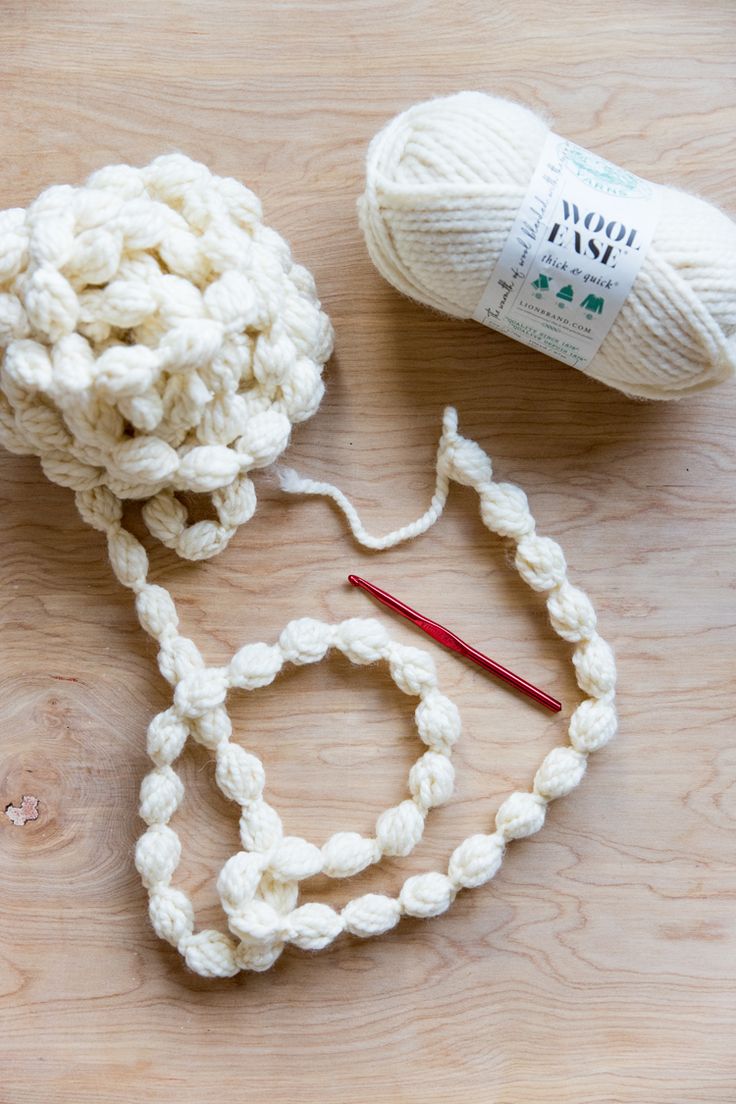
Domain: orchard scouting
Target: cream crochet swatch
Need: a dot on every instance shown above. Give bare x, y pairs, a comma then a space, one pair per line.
158, 338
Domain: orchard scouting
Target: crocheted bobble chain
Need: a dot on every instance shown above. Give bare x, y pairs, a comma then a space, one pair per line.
259, 885
156, 337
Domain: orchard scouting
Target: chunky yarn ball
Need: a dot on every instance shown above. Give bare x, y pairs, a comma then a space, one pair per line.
156, 337
444, 182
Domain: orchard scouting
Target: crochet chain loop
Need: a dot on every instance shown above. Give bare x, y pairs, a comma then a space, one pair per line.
259, 885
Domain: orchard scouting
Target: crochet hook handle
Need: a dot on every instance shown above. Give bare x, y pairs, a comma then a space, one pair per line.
451, 640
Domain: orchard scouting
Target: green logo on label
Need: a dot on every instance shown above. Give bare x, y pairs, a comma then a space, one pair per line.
600, 174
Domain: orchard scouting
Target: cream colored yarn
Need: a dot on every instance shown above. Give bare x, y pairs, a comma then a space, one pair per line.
444, 181
156, 337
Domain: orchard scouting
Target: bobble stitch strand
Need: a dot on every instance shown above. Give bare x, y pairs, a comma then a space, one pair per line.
259, 885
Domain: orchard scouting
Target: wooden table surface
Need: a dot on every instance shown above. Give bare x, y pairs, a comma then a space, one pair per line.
599, 966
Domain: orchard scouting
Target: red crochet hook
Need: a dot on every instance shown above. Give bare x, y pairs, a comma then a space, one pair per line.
450, 640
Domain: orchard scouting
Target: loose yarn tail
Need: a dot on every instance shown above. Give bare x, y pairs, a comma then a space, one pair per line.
293, 483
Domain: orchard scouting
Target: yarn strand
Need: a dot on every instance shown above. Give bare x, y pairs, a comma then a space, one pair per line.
293, 483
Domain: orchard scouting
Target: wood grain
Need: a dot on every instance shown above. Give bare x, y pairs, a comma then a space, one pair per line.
599, 967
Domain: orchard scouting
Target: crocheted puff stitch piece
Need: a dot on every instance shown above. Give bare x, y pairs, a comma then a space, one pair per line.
156, 337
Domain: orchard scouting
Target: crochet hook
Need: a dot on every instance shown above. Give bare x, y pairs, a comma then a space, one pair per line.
452, 641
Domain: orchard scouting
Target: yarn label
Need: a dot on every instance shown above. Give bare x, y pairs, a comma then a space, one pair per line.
573, 253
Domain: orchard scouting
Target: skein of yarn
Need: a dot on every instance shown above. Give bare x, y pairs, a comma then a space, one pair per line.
444, 182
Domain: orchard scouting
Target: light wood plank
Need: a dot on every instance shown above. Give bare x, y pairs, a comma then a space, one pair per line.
599, 966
